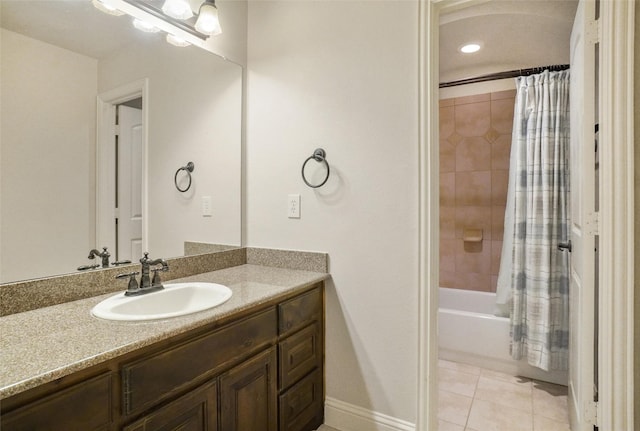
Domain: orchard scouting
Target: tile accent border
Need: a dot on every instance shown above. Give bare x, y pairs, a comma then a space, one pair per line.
43, 292
349, 417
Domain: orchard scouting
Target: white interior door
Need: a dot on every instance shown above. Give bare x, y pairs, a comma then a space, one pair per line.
129, 180
582, 382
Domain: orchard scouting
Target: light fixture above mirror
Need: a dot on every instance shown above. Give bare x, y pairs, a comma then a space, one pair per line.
177, 18
106, 8
208, 22
178, 9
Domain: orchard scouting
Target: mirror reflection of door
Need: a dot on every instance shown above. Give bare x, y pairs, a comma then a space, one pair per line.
129, 153
121, 184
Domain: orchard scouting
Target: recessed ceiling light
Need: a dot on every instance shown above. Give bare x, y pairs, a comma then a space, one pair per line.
469, 48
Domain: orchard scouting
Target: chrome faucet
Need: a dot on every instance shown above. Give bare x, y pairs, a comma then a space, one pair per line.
145, 281
147, 285
104, 255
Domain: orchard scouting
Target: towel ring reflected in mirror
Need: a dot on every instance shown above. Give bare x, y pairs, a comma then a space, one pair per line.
320, 156
188, 169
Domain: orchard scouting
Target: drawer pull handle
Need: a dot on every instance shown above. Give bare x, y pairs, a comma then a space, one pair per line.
248, 342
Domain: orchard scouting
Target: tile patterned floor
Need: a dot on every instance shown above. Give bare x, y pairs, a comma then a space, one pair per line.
476, 399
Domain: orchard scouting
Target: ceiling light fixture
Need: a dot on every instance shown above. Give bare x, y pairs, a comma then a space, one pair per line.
208, 22
145, 26
105, 7
469, 48
179, 9
176, 41
175, 18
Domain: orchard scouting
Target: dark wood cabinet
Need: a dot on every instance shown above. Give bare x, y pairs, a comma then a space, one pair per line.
249, 395
84, 406
157, 377
301, 407
261, 370
195, 411
301, 361
300, 354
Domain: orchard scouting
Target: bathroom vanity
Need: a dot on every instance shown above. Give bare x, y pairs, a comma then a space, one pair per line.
253, 363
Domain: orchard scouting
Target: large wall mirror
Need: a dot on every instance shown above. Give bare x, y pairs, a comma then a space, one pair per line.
58, 59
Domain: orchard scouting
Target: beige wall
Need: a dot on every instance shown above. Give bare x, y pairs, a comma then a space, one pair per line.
343, 76
232, 43
475, 144
194, 115
637, 218
47, 122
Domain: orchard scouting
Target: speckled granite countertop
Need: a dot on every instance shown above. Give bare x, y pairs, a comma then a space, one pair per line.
45, 344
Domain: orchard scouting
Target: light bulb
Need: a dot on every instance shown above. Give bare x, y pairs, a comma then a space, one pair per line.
145, 26
105, 7
179, 9
176, 41
208, 22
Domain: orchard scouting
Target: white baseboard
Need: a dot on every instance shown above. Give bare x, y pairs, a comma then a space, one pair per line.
348, 417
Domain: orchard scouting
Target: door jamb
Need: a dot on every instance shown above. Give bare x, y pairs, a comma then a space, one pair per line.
616, 278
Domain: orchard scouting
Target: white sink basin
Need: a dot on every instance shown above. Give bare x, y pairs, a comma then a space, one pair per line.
177, 299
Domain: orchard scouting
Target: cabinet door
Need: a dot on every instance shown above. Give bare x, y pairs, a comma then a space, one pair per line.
85, 406
248, 395
299, 354
157, 378
195, 411
301, 407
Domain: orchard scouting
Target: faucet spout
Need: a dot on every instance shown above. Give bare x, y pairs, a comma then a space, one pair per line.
145, 279
104, 255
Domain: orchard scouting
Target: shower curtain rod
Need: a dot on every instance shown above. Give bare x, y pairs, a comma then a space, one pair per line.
505, 75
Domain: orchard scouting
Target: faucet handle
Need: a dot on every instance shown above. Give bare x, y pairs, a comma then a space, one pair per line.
156, 277
132, 288
105, 257
145, 258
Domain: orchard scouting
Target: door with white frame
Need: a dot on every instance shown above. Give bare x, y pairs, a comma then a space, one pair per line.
607, 218
584, 216
121, 183
128, 210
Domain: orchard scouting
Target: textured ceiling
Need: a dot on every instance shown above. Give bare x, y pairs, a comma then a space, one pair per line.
513, 34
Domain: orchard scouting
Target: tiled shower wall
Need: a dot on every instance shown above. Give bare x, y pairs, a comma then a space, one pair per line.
475, 142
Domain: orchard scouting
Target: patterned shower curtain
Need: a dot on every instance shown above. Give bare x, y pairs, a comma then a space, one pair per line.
540, 272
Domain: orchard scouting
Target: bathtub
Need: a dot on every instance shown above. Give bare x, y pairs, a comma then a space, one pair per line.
469, 332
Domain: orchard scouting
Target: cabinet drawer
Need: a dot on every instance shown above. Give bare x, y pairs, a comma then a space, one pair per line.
82, 407
301, 407
300, 311
198, 410
156, 378
299, 354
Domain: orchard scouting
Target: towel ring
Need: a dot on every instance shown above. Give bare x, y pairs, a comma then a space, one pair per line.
319, 155
188, 169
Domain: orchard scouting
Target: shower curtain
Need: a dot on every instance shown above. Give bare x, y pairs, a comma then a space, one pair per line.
533, 278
